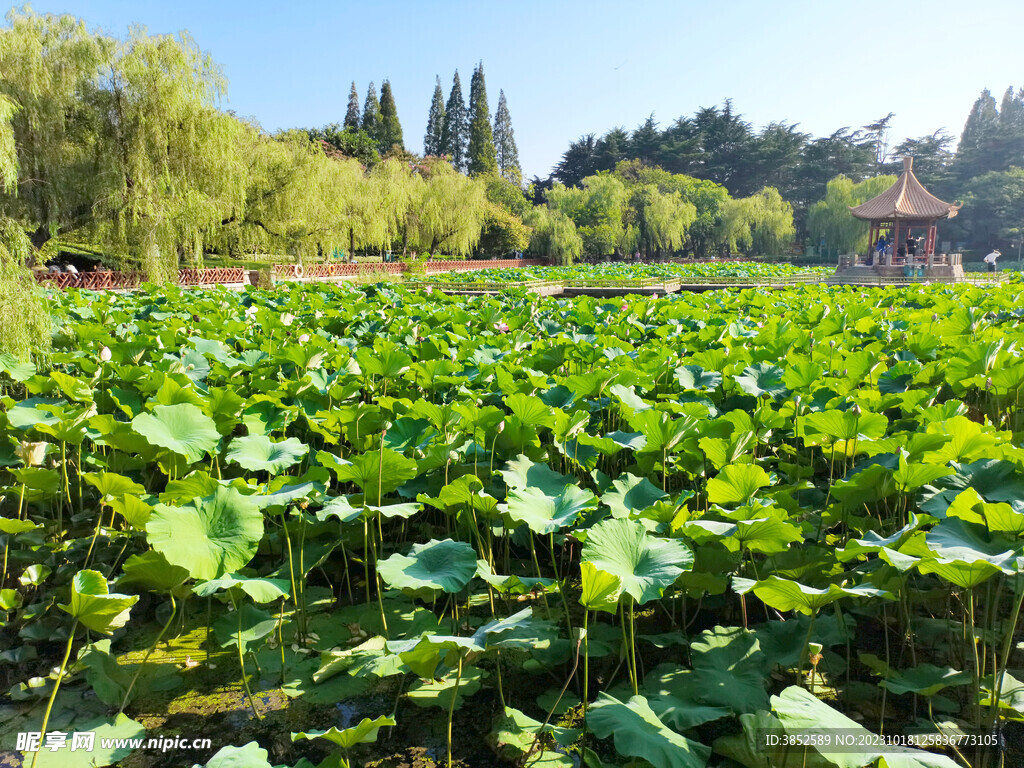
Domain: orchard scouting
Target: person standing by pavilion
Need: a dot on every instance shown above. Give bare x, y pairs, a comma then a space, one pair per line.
991, 260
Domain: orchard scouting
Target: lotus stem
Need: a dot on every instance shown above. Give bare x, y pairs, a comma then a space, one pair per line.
561, 591
149, 652
291, 574
56, 687
241, 661
451, 709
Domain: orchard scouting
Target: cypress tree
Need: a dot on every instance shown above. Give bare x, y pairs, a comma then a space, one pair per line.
390, 128
454, 133
481, 155
433, 138
352, 115
506, 152
371, 113
975, 153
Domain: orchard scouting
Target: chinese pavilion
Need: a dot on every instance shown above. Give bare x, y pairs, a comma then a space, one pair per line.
905, 215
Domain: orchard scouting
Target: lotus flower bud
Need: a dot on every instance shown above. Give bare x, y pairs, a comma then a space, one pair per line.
935, 316
105, 354
625, 306
31, 453
501, 427
832, 343
988, 384
856, 410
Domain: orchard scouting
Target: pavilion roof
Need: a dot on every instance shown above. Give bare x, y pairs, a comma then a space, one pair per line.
906, 199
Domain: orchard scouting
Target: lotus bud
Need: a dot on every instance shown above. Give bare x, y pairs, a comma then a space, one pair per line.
935, 316
846, 371
625, 306
856, 410
832, 343
988, 384
501, 427
105, 354
303, 338
31, 453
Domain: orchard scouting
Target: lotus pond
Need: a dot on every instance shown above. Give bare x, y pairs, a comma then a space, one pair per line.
336, 525
702, 270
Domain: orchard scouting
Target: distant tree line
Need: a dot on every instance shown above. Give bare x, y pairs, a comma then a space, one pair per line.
717, 144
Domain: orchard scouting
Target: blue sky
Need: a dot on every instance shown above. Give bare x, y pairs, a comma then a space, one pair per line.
569, 67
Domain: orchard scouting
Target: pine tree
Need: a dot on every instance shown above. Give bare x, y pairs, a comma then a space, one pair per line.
371, 113
390, 128
433, 138
352, 115
481, 156
454, 134
975, 154
506, 152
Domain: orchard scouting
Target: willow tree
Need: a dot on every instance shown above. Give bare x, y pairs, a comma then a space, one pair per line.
554, 235
297, 200
49, 69
597, 210
175, 156
761, 223
661, 219
450, 210
830, 219
24, 317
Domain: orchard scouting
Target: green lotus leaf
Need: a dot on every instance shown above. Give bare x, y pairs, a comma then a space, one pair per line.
95, 606
134, 510
532, 411
516, 733
446, 565
800, 712
522, 474
600, 590
788, 595
252, 755
363, 733
112, 485
845, 425
639, 733
14, 526
150, 570
182, 429
631, 493
696, 379
762, 379
244, 626
261, 590
341, 508
644, 564
547, 514
384, 468
924, 679
910, 477
112, 740
258, 453
209, 537
513, 585
16, 369
737, 484
661, 431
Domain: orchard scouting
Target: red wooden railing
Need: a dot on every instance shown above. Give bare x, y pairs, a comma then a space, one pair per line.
108, 280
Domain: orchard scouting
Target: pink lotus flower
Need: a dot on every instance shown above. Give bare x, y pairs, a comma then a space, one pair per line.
429, 289
501, 326
287, 319
625, 307
303, 338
